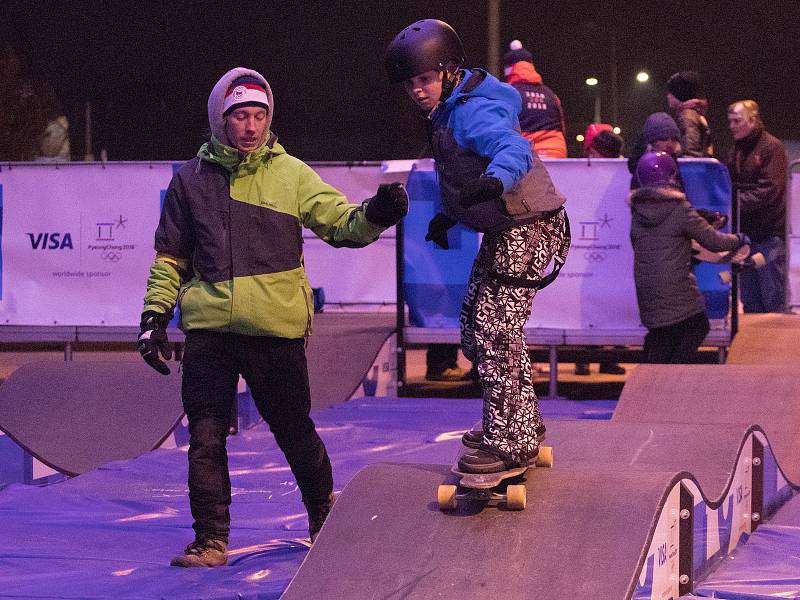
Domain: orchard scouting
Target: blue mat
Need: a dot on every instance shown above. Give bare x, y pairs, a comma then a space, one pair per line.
766, 567
110, 533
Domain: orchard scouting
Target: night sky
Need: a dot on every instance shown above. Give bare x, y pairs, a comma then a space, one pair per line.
147, 67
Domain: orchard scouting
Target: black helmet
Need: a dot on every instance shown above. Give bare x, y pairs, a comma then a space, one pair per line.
423, 46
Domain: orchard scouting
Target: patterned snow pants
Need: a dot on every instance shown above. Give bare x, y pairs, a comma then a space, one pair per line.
493, 318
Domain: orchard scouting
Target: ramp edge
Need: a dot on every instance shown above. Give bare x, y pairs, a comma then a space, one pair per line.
691, 534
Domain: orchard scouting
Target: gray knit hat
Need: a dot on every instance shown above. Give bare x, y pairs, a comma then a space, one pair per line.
660, 126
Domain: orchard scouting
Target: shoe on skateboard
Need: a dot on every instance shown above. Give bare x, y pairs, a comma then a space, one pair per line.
490, 487
474, 437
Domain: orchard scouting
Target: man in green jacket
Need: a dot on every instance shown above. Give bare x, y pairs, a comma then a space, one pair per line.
229, 252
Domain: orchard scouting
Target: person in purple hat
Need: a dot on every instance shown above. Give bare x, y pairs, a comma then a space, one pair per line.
663, 225
660, 133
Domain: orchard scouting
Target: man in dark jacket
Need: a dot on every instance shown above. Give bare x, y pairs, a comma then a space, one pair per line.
759, 166
689, 107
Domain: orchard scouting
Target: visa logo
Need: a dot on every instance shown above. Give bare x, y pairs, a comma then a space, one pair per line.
50, 241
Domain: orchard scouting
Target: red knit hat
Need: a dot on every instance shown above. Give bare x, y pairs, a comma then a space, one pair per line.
245, 91
592, 130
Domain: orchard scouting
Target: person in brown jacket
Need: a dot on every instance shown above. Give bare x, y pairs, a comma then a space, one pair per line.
759, 167
663, 225
689, 108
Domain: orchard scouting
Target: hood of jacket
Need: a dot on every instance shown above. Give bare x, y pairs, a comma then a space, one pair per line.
698, 105
523, 72
214, 151
490, 88
216, 101
652, 205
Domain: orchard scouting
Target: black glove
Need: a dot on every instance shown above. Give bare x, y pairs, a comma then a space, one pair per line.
153, 339
438, 227
482, 189
744, 240
714, 218
388, 206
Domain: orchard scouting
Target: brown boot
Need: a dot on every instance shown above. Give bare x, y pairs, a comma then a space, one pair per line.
203, 553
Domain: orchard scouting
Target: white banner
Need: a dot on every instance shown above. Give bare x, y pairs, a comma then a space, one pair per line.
793, 206
595, 288
77, 242
354, 275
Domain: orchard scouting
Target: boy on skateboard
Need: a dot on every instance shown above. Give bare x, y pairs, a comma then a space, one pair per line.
490, 181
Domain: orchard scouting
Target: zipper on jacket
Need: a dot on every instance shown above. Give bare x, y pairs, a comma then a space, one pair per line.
309, 316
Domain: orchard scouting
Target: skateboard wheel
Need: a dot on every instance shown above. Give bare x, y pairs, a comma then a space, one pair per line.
516, 497
446, 495
545, 458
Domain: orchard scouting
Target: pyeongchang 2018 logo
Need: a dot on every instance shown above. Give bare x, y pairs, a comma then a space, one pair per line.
109, 242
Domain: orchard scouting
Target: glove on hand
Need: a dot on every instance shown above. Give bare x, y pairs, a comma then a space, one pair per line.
438, 227
743, 240
153, 339
388, 206
482, 189
714, 218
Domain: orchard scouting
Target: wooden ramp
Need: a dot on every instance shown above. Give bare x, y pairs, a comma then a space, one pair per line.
769, 338
596, 525
641, 507
76, 416
341, 350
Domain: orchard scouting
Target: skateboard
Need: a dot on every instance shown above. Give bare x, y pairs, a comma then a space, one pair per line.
490, 487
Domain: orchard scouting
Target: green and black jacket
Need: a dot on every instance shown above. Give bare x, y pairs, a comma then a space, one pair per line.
229, 246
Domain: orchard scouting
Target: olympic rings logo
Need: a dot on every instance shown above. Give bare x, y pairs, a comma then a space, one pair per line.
111, 256
595, 257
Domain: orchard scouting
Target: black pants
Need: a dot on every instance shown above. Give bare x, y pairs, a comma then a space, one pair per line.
276, 371
678, 343
440, 357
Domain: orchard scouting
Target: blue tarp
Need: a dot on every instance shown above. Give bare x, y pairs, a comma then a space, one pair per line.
764, 568
110, 533
435, 279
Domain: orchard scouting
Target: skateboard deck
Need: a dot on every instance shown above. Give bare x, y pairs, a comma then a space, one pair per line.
491, 487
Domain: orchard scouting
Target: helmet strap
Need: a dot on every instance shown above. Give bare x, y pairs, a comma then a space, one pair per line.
451, 77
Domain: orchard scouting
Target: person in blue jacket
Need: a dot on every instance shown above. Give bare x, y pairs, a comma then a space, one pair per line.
491, 182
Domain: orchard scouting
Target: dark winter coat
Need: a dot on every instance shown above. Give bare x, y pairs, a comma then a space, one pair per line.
759, 167
693, 125
476, 132
658, 126
541, 119
663, 225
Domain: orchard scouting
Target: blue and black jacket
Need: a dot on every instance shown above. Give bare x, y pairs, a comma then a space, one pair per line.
476, 132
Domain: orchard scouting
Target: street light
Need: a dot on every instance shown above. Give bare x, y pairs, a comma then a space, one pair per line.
642, 76
593, 82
